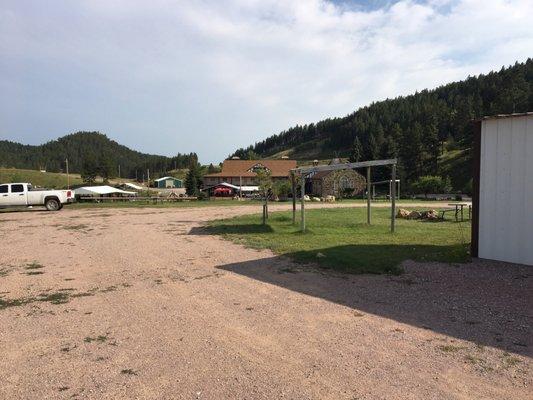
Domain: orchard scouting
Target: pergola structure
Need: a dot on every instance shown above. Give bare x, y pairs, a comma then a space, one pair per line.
304, 171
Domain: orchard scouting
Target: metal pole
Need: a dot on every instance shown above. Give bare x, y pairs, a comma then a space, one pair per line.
302, 183
393, 199
368, 195
240, 187
293, 182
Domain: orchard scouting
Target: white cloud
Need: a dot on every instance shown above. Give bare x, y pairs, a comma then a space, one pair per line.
210, 76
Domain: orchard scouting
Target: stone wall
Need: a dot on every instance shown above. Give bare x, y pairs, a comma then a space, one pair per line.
333, 183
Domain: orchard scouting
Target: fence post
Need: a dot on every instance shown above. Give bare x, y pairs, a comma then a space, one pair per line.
393, 199
293, 181
368, 196
302, 183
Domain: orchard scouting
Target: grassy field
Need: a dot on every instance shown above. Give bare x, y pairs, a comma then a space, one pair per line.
203, 203
341, 240
44, 179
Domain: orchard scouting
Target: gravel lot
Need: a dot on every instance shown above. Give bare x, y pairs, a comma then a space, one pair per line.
136, 304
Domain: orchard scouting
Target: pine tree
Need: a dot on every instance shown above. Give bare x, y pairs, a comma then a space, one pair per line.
193, 180
357, 151
373, 148
412, 152
89, 169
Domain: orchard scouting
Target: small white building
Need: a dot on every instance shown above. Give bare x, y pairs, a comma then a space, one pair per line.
502, 221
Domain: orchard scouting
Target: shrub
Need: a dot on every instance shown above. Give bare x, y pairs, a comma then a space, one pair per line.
432, 184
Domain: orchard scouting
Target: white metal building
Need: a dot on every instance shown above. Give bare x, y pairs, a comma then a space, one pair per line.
502, 225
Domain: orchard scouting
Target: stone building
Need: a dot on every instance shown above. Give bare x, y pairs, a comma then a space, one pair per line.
335, 183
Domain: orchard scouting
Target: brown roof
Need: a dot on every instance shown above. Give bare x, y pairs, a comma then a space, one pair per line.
236, 168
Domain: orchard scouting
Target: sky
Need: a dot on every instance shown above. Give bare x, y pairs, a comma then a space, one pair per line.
210, 76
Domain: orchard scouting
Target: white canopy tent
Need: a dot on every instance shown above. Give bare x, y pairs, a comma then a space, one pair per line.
237, 188
100, 191
132, 186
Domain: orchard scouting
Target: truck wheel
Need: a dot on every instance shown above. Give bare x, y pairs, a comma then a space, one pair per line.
52, 205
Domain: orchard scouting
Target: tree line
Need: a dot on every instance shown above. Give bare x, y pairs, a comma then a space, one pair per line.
417, 129
90, 153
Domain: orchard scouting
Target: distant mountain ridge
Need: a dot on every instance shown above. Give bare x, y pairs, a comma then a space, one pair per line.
430, 131
80, 146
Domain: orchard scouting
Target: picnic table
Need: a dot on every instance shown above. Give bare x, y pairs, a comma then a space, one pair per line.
458, 208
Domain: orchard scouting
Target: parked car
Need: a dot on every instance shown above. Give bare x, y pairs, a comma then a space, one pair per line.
25, 195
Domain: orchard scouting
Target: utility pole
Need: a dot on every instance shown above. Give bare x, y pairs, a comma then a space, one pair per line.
68, 176
119, 171
148, 174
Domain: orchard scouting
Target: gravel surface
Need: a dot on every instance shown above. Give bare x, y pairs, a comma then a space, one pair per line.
136, 304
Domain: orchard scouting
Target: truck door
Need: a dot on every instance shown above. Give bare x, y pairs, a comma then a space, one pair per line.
17, 196
4, 195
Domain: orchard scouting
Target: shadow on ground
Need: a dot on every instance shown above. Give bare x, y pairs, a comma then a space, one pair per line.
484, 302
22, 209
230, 229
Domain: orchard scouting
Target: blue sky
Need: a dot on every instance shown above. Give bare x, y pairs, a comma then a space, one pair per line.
210, 76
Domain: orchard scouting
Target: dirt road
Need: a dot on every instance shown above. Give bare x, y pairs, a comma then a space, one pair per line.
135, 303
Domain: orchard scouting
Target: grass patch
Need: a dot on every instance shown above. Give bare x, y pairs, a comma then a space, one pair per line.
128, 371
448, 348
341, 239
4, 271
34, 265
54, 298
510, 361
34, 269
6, 303
99, 339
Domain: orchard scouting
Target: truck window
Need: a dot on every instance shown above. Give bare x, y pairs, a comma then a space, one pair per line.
3, 188
17, 188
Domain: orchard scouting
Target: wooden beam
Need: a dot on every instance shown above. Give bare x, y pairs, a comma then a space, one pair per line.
293, 182
368, 195
393, 199
337, 167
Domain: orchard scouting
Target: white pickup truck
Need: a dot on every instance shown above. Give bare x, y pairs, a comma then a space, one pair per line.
24, 195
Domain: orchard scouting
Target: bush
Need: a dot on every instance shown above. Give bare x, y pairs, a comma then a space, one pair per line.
432, 184
282, 188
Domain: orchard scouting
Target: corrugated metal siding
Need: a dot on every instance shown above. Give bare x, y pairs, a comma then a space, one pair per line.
506, 190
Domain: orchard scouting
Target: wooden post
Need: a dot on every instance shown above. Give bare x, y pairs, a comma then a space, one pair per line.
393, 199
368, 195
293, 182
302, 183
398, 190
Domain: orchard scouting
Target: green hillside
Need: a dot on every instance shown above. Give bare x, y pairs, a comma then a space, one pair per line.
417, 129
43, 179
92, 148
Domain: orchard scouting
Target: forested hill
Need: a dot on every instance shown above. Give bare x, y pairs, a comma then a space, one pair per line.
88, 148
429, 131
